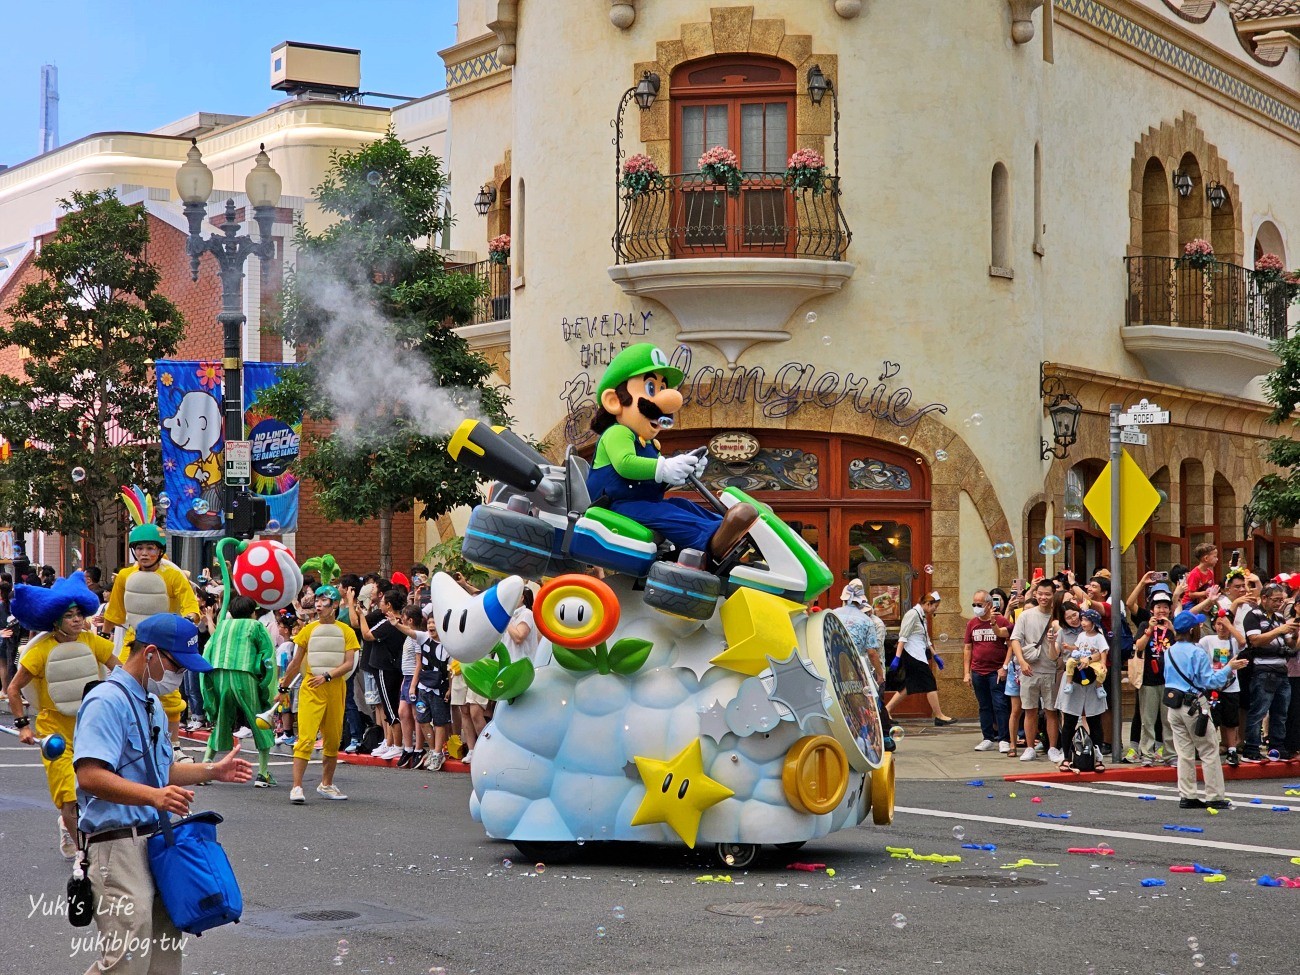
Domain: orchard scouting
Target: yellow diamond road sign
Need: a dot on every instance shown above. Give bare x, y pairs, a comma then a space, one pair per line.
1138, 499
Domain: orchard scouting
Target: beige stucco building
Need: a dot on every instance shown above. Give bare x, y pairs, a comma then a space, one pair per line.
1017, 192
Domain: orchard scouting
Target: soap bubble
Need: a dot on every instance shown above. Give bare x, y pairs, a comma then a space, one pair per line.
507, 863
373, 178
1103, 846
539, 867
943, 637
1072, 512
344, 946
337, 960
273, 526
199, 507
1198, 960
1014, 875
757, 919
600, 931
1274, 754
967, 422
582, 841
903, 441
1193, 943
619, 913
897, 732
1234, 959
78, 474
1003, 550
900, 921
810, 318
1051, 545
444, 485
959, 833
1163, 495
977, 418
929, 569
826, 340
941, 455
164, 501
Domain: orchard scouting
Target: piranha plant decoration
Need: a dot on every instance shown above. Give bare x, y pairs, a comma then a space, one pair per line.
578, 613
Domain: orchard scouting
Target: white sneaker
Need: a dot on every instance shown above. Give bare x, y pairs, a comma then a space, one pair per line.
1056, 755
984, 746
330, 792
388, 752
180, 755
67, 845
469, 757
1004, 747
296, 796
1028, 755
244, 733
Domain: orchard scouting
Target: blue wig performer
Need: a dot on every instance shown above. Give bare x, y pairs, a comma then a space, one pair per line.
59, 660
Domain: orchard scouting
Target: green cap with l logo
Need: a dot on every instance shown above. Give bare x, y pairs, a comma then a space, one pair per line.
638, 360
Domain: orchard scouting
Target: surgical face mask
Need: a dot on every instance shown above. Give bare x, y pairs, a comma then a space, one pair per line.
170, 681
980, 610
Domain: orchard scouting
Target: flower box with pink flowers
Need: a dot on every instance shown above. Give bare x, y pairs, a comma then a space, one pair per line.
806, 170
639, 174
1198, 253
721, 166
499, 249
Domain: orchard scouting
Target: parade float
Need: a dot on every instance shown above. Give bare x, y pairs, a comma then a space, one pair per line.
683, 697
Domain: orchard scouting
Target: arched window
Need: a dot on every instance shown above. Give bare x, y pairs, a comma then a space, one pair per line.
1268, 240
1039, 226
1000, 222
744, 103
518, 239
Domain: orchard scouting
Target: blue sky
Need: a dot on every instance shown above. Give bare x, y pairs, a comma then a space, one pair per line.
134, 65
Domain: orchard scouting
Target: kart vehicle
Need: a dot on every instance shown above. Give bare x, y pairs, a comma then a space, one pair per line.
542, 522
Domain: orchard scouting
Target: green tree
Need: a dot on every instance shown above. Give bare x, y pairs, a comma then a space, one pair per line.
1277, 496
79, 417
374, 308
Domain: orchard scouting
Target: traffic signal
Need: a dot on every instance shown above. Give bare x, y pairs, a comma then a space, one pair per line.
251, 514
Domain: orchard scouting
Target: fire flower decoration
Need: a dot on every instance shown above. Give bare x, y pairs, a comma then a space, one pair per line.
578, 614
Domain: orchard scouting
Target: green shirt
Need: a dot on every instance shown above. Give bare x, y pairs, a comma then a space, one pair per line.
243, 645
617, 446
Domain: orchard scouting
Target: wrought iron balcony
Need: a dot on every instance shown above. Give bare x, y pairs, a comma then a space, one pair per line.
1210, 328
1224, 297
687, 216
494, 305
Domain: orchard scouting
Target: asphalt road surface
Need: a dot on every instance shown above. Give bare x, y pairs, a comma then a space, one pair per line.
406, 883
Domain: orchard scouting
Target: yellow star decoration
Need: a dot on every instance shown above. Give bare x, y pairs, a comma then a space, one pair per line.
677, 792
757, 625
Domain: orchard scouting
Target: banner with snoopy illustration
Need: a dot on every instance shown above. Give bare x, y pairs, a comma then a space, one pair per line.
189, 411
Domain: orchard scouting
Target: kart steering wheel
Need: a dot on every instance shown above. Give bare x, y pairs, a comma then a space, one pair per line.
714, 501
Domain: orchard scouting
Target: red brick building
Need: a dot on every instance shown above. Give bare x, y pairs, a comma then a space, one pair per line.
355, 546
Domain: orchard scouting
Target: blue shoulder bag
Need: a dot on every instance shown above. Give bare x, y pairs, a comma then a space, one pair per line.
190, 869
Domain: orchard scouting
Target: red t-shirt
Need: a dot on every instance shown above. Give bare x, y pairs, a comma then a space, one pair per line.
988, 651
1199, 580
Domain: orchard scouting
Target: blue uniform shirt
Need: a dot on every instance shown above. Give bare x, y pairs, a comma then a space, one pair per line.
1191, 659
107, 730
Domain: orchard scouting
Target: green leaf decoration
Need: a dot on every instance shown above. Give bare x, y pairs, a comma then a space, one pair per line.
577, 660
481, 676
629, 655
513, 680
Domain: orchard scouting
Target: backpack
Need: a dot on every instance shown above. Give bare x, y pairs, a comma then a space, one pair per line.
1085, 758
371, 739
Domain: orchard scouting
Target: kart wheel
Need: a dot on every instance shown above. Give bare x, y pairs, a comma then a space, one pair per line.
679, 590
548, 852
507, 541
738, 856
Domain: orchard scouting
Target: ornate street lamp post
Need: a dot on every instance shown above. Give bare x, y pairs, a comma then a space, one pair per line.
231, 249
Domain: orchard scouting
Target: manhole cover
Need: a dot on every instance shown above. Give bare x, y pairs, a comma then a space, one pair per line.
987, 880
326, 916
765, 910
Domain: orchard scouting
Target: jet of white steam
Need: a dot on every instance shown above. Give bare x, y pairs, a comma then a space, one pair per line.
367, 374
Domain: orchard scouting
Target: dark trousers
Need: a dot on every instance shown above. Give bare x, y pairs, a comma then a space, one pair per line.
1293, 718
995, 706
353, 726
1270, 695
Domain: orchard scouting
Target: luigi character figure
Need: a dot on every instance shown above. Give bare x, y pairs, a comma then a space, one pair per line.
637, 399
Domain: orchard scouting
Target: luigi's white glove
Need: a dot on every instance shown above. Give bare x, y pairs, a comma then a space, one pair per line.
674, 471
701, 465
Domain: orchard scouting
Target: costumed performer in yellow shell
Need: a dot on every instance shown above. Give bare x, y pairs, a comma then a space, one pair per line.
152, 585
325, 654
59, 660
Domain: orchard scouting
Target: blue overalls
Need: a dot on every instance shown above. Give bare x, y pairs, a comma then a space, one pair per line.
684, 523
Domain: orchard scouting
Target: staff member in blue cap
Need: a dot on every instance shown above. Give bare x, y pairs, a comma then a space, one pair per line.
1188, 671
120, 803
